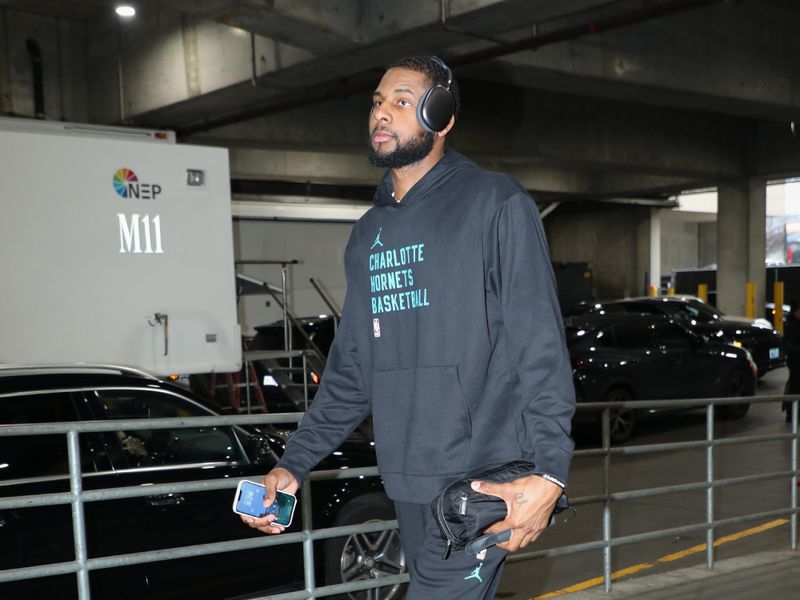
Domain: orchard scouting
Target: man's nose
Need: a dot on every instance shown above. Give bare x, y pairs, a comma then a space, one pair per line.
380, 113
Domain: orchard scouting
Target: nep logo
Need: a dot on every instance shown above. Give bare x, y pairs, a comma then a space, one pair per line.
127, 185
140, 227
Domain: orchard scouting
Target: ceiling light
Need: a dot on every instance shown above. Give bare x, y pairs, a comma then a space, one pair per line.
125, 10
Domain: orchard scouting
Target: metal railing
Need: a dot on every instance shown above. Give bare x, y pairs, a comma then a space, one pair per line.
709, 484
77, 497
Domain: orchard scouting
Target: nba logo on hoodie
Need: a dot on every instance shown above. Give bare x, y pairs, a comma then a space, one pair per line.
376, 327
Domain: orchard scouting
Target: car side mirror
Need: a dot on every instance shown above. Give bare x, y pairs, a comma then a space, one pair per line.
258, 449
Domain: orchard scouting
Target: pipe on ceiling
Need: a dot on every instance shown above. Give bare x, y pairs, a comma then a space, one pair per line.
37, 73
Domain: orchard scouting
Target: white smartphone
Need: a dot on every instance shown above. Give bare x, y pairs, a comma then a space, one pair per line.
249, 501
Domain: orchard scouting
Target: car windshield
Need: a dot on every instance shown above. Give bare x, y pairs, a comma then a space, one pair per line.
692, 311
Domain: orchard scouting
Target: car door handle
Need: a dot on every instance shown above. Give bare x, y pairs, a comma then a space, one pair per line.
166, 500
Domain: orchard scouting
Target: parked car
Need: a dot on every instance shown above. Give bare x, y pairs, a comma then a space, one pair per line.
38, 465
769, 312
756, 335
617, 357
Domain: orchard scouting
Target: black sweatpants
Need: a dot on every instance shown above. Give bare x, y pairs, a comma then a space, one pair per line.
460, 577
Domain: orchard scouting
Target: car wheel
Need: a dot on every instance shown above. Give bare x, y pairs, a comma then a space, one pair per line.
622, 421
738, 386
364, 556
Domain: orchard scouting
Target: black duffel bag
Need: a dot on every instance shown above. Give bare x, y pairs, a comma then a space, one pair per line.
464, 514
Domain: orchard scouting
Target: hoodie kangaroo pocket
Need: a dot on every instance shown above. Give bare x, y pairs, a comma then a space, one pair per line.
422, 425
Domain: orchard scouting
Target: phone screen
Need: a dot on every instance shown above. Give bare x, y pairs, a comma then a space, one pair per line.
250, 501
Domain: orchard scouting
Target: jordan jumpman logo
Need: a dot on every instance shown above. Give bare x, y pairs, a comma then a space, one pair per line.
377, 241
476, 574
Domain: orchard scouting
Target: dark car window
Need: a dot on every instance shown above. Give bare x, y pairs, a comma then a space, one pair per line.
686, 311
41, 455
177, 446
635, 334
672, 337
643, 308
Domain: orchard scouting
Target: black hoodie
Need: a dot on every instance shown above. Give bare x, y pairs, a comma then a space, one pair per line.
450, 335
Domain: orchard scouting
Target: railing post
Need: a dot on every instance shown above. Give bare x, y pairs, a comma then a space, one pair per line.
78, 521
606, 501
246, 366
308, 543
710, 487
795, 406
305, 381
287, 328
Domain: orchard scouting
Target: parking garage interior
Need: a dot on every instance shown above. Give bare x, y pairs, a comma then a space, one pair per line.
654, 136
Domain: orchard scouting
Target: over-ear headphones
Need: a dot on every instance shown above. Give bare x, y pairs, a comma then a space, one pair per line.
437, 104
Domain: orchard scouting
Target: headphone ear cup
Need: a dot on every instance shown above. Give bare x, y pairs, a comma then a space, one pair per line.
435, 109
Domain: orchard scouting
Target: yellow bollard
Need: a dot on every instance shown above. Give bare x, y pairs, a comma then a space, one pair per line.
778, 312
702, 292
652, 291
750, 300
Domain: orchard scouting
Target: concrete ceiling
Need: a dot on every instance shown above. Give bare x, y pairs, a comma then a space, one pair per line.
587, 98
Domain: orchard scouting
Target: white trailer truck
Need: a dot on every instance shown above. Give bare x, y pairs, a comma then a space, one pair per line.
115, 247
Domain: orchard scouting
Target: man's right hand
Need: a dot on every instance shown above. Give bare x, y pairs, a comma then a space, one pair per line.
277, 479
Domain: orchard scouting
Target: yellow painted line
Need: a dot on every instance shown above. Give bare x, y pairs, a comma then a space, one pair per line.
590, 583
723, 540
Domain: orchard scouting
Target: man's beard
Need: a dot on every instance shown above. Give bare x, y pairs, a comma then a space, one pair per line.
404, 154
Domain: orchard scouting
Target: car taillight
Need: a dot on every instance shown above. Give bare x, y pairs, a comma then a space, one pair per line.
314, 378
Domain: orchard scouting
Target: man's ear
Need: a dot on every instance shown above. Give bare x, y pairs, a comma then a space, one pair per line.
447, 129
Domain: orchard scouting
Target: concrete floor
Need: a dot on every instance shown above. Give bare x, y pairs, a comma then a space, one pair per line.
772, 575
740, 557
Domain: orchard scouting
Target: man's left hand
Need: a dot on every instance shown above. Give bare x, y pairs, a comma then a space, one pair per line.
530, 501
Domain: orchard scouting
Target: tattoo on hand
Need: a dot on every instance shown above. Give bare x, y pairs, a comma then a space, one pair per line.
520, 499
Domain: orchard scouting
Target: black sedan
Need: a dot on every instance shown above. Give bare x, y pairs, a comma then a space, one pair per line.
756, 335
34, 465
618, 357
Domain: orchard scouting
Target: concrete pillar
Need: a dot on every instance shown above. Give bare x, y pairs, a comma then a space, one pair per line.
655, 249
741, 243
643, 264
757, 255
6, 104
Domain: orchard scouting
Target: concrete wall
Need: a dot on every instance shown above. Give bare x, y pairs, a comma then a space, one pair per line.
167, 57
686, 242
707, 244
679, 245
318, 246
615, 241
64, 65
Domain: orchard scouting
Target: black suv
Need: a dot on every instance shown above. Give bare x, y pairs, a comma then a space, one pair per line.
34, 465
755, 335
618, 357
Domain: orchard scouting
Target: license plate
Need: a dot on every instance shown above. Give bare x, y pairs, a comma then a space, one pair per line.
774, 353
